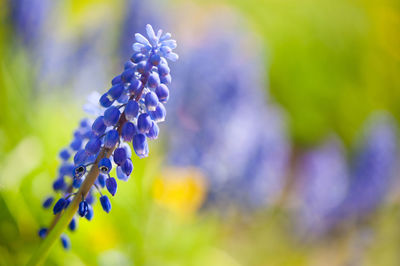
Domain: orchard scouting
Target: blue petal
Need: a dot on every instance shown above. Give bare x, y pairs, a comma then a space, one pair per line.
137, 47
170, 43
152, 36
172, 56
141, 39
165, 37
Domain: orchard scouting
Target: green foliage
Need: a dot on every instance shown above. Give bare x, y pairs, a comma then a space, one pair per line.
331, 63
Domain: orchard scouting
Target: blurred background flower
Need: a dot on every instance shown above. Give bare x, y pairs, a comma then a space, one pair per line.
275, 150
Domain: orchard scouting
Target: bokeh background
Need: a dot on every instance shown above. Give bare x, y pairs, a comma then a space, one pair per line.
280, 145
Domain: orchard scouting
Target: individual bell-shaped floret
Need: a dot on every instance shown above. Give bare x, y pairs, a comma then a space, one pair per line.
137, 57
127, 149
66, 169
116, 80
90, 213
72, 224
105, 166
111, 116
128, 131
140, 145
79, 171
76, 144
106, 100
141, 67
120, 156
134, 86
121, 175
64, 154
167, 79
153, 81
59, 184
83, 208
131, 110
163, 70
93, 146
48, 202
144, 123
80, 157
111, 185
116, 91
128, 74
42, 232
101, 180
153, 132
151, 101
128, 64
98, 125
59, 206
162, 93
124, 98
65, 242
127, 167
76, 183
159, 114
105, 203
67, 202
155, 59
111, 138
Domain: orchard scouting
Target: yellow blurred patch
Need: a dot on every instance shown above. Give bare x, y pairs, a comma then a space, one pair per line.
180, 190
102, 235
388, 30
84, 14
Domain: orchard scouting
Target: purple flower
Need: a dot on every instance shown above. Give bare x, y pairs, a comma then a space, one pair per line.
101, 137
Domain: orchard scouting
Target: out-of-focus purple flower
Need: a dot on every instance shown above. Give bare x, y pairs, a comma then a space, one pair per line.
331, 192
95, 142
322, 177
221, 123
54, 50
28, 18
372, 168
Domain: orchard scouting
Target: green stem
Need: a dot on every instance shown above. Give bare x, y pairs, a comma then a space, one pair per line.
54, 233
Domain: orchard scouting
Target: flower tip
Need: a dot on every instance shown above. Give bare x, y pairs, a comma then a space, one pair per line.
105, 203
42, 232
65, 242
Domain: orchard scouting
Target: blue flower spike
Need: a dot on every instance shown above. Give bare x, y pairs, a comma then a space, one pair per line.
127, 113
105, 203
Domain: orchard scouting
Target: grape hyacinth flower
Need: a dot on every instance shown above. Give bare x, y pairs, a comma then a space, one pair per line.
131, 113
372, 170
224, 120
323, 178
333, 192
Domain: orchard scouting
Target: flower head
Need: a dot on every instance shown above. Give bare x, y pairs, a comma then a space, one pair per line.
128, 112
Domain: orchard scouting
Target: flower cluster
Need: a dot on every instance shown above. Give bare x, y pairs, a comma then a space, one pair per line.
322, 175
372, 170
224, 120
133, 107
332, 191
